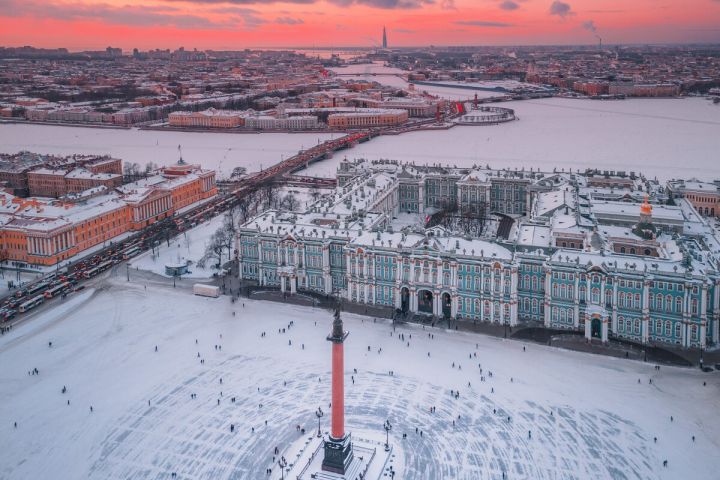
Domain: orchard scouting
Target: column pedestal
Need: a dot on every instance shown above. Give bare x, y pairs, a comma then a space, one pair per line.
338, 454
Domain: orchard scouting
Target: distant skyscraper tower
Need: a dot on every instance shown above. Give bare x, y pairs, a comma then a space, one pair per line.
384, 38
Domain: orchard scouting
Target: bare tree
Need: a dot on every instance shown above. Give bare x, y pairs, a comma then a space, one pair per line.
238, 172
289, 202
269, 195
214, 250
150, 167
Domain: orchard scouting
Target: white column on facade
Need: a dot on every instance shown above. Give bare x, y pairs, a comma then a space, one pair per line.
576, 301
703, 315
492, 285
645, 328
716, 313
327, 278
481, 290
686, 314
514, 296
588, 327
614, 306
604, 332
548, 281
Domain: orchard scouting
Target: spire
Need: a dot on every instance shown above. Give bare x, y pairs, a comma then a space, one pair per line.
384, 38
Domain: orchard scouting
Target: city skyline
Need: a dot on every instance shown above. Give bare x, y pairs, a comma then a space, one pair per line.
236, 24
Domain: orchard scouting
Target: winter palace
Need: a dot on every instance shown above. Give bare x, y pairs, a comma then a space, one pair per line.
609, 254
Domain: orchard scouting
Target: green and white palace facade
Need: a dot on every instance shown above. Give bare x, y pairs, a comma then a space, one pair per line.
641, 273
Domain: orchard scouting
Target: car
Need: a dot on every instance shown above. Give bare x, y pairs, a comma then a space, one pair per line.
79, 288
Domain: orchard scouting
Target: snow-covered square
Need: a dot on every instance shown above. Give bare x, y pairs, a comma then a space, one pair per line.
167, 375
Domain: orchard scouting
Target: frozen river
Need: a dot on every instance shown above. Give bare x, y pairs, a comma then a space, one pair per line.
219, 151
170, 410
667, 138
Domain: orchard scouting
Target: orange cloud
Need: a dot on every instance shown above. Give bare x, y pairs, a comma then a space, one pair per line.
90, 24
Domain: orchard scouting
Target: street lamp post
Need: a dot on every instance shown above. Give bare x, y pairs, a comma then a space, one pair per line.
282, 463
319, 413
127, 269
387, 428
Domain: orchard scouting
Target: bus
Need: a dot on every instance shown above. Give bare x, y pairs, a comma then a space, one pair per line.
51, 292
130, 252
37, 287
32, 303
100, 268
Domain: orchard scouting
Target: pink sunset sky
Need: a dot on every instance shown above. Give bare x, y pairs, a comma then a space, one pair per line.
235, 24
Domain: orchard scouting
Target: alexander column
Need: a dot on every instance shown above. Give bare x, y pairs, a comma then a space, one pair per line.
338, 446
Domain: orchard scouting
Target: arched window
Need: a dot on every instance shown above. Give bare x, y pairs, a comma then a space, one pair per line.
583, 293
555, 314
637, 300
622, 249
660, 302
694, 306
608, 298
534, 305
678, 304
595, 296
632, 251
677, 330
637, 326
621, 299
668, 328
534, 284
647, 252
562, 291
668, 303
526, 304
555, 290
526, 281
628, 325
571, 291
563, 315
571, 315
